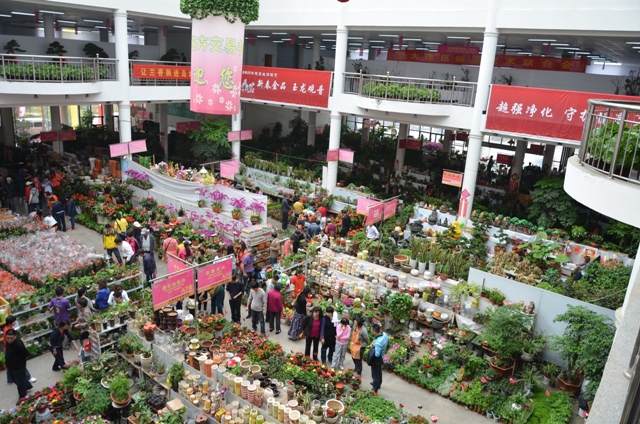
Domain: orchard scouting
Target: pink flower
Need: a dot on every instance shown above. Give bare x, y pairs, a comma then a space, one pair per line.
547, 393
512, 381
484, 380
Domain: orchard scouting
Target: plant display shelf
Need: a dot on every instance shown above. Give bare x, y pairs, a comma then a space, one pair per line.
96, 347
139, 368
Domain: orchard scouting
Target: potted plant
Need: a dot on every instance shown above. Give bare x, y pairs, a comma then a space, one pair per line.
82, 386
533, 346
238, 204
584, 347
503, 333
41, 404
578, 233
256, 208
176, 373
530, 377
146, 358
56, 48
119, 388
548, 371
217, 197
70, 377
202, 193
595, 240
149, 203
399, 306
140, 413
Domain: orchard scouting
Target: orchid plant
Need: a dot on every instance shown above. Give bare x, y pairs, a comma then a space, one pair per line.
256, 208
238, 204
216, 197
433, 146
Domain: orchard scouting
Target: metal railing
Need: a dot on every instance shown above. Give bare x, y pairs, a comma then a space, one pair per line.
174, 66
21, 68
611, 140
414, 90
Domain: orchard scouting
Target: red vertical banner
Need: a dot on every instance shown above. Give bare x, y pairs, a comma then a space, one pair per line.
165, 30
400, 42
292, 39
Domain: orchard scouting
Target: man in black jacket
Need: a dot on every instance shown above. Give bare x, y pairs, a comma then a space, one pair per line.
346, 224
57, 211
57, 342
286, 207
16, 359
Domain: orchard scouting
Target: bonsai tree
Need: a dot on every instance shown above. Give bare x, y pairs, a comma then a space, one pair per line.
504, 330
133, 54
171, 56
541, 251
92, 50
56, 48
12, 47
585, 344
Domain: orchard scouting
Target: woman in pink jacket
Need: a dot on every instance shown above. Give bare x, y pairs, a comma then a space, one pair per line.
343, 333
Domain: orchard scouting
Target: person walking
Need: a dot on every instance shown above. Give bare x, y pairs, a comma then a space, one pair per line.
246, 266
374, 359
16, 360
147, 241
286, 207
9, 325
346, 224
71, 211
57, 210
56, 343
169, 246
359, 340
60, 306
257, 304
217, 300
274, 249
311, 327
299, 313
109, 243
148, 264
328, 336
343, 332
275, 307
235, 290
9, 192
32, 197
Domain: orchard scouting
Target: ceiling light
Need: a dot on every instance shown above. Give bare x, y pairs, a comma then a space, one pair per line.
413, 39
602, 62
582, 52
567, 48
558, 44
422, 48
635, 47
23, 13
628, 42
100, 27
499, 45
149, 27
527, 53
377, 41
323, 48
278, 41
263, 36
93, 21
5, 16
544, 40
307, 36
66, 22
355, 44
455, 37
279, 33
355, 38
387, 35
327, 39
476, 41
333, 47
181, 27
435, 43
595, 56
328, 33
130, 20
52, 12
513, 50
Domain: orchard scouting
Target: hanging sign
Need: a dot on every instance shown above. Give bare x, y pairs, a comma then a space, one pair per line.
504, 159
240, 135
214, 275
390, 208
175, 264
167, 290
452, 178
67, 135
345, 156
364, 204
444, 48
182, 126
160, 72
48, 136
333, 155
375, 213
229, 169
194, 125
137, 146
119, 149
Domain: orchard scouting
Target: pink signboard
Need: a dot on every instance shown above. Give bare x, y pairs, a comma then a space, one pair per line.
345, 156
217, 47
246, 135
364, 205
175, 264
375, 213
214, 275
390, 208
182, 126
137, 146
233, 136
452, 178
229, 169
172, 289
67, 135
413, 144
120, 149
333, 155
48, 136
194, 125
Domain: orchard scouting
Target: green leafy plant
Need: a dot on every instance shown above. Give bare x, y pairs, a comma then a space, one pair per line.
400, 305
578, 233
119, 387
551, 206
504, 331
541, 251
56, 48
70, 377
211, 140
245, 10
92, 51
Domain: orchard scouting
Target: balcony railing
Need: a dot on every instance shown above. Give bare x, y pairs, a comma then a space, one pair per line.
174, 66
414, 90
21, 68
611, 139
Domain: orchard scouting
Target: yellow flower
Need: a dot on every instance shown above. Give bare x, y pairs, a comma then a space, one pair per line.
439, 293
474, 303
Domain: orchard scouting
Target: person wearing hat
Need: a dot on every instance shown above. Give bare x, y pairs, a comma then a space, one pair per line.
169, 246
32, 196
9, 193
137, 231
147, 241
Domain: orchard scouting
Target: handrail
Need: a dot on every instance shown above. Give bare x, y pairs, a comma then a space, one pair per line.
61, 69
409, 89
160, 81
608, 145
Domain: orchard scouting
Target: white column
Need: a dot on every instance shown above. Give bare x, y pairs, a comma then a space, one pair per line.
236, 125
518, 160
341, 53
549, 152
8, 133
49, 28
446, 141
315, 52
164, 129
402, 134
108, 116
311, 132
162, 43
122, 54
334, 143
484, 79
55, 126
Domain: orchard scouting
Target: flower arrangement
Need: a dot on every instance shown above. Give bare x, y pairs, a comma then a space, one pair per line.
149, 203
138, 179
347, 302
256, 208
216, 197
238, 204
397, 353
433, 146
202, 193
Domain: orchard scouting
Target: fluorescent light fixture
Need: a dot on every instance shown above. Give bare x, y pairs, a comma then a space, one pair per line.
286, 39
582, 52
567, 48
307, 36
635, 47
279, 33
628, 42
602, 62
52, 12
100, 27
62, 21
355, 44
95, 21
333, 47
455, 37
388, 35
181, 27
525, 53
355, 38
263, 36
323, 48
377, 41
5, 16
68, 30
149, 27
413, 39
500, 45
23, 13
558, 44
328, 40
278, 41
435, 43
544, 40
130, 20
513, 50
422, 48
328, 33
476, 41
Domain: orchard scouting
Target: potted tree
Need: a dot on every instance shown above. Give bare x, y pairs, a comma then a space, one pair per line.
119, 388
584, 347
503, 333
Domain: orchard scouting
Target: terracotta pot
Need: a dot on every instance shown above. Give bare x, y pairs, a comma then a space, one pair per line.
568, 387
236, 215
502, 371
120, 403
216, 210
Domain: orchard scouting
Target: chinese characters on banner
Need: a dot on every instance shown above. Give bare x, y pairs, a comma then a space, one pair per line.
67, 135
137, 146
540, 111
332, 155
175, 264
502, 60
364, 204
410, 143
444, 48
283, 85
504, 159
216, 65
119, 149
452, 178
182, 126
390, 208
345, 156
176, 73
229, 169
375, 213
214, 275
48, 136
167, 290
240, 135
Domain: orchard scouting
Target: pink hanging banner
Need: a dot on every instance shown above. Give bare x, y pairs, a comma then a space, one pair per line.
119, 149
67, 135
345, 156
216, 65
214, 275
333, 155
246, 135
375, 213
229, 169
137, 146
182, 126
175, 264
172, 289
233, 136
390, 208
364, 205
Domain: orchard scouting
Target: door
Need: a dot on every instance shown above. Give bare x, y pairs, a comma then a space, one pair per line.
268, 60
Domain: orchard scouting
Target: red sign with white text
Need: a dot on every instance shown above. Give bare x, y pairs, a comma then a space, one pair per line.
283, 85
504, 159
502, 60
540, 111
332, 155
67, 135
48, 136
182, 126
180, 72
443, 48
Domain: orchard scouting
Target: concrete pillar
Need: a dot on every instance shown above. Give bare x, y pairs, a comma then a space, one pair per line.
475, 138
311, 132
402, 134
567, 152
104, 35
64, 115
122, 54
8, 131
49, 27
518, 161
446, 141
341, 53
366, 130
334, 143
108, 116
301, 53
55, 126
315, 52
164, 129
162, 43
236, 125
632, 280
549, 152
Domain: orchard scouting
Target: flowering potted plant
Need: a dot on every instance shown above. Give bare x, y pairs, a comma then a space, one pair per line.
256, 208
433, 146
238, 204
217, 197
202, 193
149, 203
